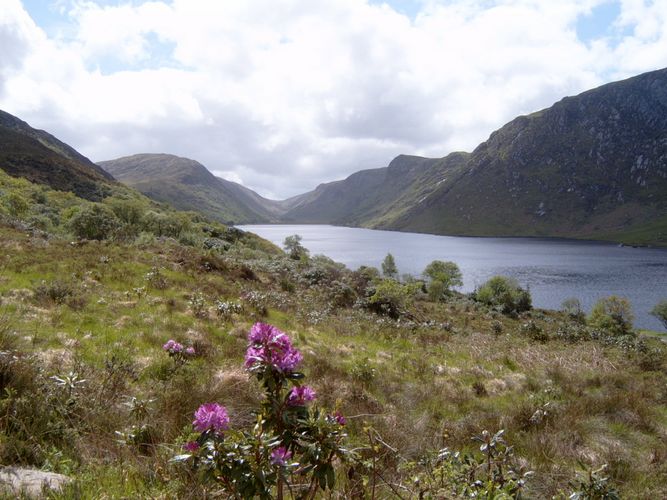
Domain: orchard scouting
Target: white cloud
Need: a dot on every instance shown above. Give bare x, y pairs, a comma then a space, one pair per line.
283, 95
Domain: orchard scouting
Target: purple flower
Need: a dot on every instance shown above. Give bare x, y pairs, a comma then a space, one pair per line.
261, 333
190, 351
271, 346
211, 416
191, 446
280, 456
301, 395
172, 347
339, 418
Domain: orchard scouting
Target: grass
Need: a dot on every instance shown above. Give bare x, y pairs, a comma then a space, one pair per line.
422, 384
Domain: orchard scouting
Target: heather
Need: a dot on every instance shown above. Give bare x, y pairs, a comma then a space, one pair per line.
127, 361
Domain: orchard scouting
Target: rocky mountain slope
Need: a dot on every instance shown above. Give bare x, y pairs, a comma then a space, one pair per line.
39, 157
591, 166
188, 185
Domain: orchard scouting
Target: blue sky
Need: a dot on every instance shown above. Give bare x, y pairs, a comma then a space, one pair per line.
282, 95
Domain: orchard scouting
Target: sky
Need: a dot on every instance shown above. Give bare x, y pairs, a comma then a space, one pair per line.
282, 95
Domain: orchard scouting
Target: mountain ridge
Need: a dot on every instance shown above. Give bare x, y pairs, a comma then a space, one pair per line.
42, 158
189, 185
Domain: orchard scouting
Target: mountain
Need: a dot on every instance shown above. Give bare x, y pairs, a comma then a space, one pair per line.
590, 166
188, 185
369, 195
41, 158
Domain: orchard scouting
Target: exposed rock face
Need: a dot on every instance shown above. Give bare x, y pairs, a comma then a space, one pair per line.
31, 482
594, 165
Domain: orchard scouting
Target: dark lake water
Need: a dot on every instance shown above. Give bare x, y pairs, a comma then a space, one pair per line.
554, 269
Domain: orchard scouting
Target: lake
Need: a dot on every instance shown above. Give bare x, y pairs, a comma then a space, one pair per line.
553, 269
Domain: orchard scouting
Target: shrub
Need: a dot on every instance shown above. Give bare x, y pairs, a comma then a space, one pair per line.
293, 444
495, 474
504, 293
443, 277
389, 297
94, 222
660, 312
293, 247
613, 315
55, 292
572, 307
389, 269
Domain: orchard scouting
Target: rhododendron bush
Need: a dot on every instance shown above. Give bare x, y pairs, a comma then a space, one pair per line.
293, 444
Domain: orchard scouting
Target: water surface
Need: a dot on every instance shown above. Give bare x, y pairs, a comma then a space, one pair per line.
554, 269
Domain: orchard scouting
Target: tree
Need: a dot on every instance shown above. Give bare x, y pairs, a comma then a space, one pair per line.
660, 312
389, 269
612, 314
443, 276
94, 222
505, 293
294, 248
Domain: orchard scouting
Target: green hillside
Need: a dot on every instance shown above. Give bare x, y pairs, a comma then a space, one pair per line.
188, 185
38, 156
591, 166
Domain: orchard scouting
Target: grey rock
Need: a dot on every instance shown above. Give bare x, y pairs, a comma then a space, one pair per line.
31, 482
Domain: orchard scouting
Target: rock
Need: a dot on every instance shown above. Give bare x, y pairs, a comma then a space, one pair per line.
16, 480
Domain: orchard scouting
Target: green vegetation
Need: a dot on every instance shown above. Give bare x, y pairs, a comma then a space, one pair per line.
294, 248
660, 312
443, 276
505, 294
389, 269
187, 185
612, 314
90, 385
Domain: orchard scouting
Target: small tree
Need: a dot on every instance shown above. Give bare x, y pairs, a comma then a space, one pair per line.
612, 314
294, 248
389, 269
443, 276
505, 293
660, 312
572, 307
94, 222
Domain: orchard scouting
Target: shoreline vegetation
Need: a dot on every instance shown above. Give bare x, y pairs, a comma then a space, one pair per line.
150, 353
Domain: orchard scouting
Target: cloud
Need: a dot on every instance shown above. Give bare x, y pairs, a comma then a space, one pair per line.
283, 95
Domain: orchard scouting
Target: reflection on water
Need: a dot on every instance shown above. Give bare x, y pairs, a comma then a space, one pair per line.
553, 269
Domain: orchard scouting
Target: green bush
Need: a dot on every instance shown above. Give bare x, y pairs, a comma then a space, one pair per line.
389, 269
389, 297
660, 312
504, 293
443, 277
293, 247
613, 315
94, 222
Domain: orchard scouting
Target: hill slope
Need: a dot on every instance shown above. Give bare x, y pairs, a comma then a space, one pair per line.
39, 157
188, 185
591, 166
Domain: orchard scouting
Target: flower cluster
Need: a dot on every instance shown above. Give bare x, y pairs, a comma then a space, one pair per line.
211, 417
300, 395
174, 348
280, 456
272, 347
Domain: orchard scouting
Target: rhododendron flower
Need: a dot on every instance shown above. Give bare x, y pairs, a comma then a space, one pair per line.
172, 347
280, 456
190, 351
271, 346
211, 416
191, 446
339, 418
301, 395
